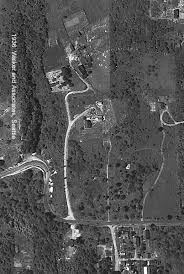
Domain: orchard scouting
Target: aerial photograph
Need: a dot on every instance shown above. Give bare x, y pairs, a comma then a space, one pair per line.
91, 136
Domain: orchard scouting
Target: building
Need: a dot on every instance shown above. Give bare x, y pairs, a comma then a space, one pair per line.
153, 106
167, 9
56, 81
69, 48
146, 270
104, 251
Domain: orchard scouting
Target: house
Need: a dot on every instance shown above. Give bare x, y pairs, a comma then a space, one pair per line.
176, 13
167, 9
104, 251
56, 81
153, 106
146, 270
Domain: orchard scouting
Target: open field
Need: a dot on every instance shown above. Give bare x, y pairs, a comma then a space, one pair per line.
95, 9
164, 200
141, 71
80, 101
128, 174
87, 179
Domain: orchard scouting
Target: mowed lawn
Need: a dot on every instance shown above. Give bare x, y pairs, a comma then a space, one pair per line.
164, 200
95, 9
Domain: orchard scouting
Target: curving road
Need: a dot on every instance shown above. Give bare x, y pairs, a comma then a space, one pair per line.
71, 123
33, 162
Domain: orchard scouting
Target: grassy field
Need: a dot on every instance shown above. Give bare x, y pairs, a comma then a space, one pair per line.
95, 9
87, 179
164, 199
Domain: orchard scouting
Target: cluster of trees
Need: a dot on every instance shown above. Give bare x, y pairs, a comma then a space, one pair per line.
44, 125
67, 76
42, 229
19, 207
87, 179
141, 36
80, 101
168, 243
31, 29
43, 129
7, 249
86, 259
129, 181
5, 80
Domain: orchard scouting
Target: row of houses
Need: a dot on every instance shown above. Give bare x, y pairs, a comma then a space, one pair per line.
135, 249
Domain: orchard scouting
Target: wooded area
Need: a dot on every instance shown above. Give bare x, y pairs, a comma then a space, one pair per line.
44, 125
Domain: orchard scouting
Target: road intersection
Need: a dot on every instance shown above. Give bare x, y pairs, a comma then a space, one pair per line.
35, 162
